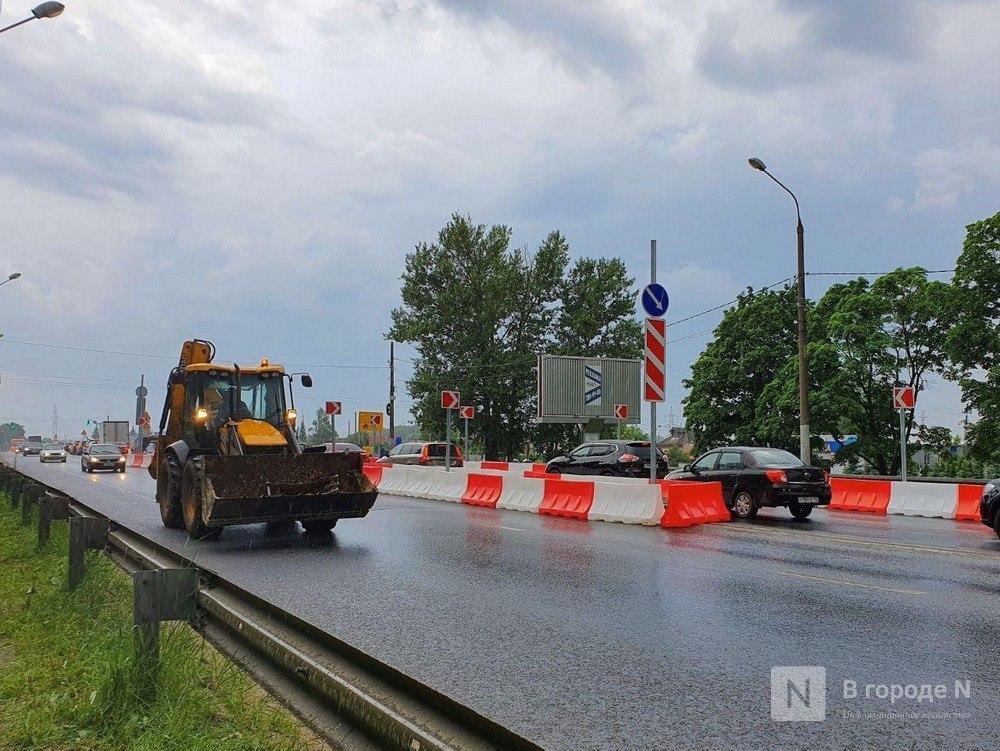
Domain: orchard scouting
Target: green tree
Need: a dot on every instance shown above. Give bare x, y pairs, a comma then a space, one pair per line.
478, 313
596, 317
865, 338
973, 342
320, 430
753, 342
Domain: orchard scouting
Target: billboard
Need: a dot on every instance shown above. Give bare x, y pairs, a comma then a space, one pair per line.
580, 389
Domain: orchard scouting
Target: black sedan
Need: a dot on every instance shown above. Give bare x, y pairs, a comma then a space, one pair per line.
989, 506
609, 458
754, 478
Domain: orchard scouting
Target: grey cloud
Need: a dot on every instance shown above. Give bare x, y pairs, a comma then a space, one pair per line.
890, 29
103, 123
584, 33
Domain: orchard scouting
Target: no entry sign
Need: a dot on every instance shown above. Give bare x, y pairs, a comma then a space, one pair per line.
904, 397
466, 413
450, 400
333, 408
655, 366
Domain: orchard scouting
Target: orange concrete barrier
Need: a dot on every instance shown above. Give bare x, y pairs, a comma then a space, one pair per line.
967, 509
687, 503
569, 498
867, 496
136, 460
483, 490
373, 472
504, 466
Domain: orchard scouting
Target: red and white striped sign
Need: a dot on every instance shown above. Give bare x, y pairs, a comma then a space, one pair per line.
333, 408
655, 368
621, 411
466, 413
450, 399
903, 397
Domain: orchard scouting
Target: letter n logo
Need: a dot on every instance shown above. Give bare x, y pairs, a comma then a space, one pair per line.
798, 693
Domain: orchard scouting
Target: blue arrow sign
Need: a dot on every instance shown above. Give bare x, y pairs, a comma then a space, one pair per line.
655, 300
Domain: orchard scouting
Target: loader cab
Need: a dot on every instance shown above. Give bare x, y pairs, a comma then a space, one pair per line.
252, 398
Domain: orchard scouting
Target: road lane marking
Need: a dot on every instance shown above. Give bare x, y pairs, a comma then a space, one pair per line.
844, 582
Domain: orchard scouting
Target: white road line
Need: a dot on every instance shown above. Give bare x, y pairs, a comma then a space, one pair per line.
855, 584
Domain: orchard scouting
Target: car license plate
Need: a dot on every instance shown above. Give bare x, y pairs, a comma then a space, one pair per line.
809, 499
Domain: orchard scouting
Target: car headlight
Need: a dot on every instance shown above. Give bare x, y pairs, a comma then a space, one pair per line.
121, 459
93, 460
990, 487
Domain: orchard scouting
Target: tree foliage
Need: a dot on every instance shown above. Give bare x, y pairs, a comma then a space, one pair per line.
479, 312
10, 430
973, 342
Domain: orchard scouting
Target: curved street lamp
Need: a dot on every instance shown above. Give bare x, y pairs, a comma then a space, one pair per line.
44, 10
12, 277
804, 451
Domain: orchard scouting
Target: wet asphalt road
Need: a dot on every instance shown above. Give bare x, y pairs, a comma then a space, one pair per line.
605, 636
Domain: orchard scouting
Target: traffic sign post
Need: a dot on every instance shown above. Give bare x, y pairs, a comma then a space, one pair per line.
621, 413
450, 400
655, 302
466, 413
333, 409
903, 398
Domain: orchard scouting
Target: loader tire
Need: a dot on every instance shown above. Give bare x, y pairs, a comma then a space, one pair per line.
191, 501
318, 526
168, 492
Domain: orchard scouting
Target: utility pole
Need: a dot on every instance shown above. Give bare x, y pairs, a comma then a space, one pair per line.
392, 394
55, 422
652, 404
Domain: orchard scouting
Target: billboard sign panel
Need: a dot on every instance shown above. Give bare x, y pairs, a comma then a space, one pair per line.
580, 389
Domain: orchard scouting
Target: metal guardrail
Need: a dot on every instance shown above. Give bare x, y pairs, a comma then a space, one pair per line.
352, 700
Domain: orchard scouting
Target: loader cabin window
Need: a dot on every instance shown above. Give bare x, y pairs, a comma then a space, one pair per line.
261, 397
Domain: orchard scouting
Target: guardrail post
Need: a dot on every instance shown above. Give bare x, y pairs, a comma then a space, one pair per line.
28, 498
50, 507
85, 533
160, 595
15, 493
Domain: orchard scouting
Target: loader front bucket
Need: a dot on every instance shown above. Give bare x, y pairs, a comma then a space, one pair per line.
273, 488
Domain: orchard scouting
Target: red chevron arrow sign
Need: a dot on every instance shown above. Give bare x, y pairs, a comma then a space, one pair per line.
655, 367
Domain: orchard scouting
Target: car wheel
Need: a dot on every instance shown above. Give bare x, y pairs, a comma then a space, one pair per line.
800, 511
744, 505
996, 523
318, 526
607, 473
553, 471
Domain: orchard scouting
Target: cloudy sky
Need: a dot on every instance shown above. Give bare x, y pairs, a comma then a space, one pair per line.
253, 173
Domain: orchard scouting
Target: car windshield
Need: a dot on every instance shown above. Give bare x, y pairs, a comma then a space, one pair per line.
104, 448
53, 447
775, 458
339, 448
641, 449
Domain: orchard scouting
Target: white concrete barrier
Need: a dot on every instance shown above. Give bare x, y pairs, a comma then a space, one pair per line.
628, 503
923, 499
521, 494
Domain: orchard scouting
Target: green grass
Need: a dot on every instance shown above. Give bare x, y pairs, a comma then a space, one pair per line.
67, 674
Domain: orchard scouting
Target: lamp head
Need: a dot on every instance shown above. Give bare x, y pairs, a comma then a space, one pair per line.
756, 163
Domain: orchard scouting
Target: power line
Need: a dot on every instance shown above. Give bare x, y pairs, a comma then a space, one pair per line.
727, 304
872, 273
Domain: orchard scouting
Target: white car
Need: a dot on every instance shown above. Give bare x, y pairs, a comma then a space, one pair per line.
52, 452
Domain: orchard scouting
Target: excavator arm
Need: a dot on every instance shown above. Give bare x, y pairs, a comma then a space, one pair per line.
193, 351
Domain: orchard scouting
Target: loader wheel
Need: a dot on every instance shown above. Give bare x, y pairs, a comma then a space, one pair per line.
191, 501
168, 492
314, 526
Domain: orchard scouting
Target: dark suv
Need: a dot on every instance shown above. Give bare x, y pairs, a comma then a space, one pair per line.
609, 458
753, 478
989, 506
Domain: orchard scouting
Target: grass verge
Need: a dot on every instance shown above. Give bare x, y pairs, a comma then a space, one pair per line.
67, 669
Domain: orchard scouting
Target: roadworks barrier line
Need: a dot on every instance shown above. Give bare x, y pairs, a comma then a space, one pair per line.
941, 500
669, 503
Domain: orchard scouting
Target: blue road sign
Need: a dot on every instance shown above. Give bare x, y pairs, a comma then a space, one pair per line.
655, 300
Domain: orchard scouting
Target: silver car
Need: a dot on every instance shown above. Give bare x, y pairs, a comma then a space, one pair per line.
52, 452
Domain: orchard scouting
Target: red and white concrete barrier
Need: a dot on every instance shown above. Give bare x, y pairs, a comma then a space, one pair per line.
668, 503
941, 500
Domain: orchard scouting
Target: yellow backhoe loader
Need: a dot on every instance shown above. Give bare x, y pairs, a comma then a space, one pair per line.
227, 452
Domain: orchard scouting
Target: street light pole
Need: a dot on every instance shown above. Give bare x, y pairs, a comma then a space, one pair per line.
12, 277
804, 448
45, 10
